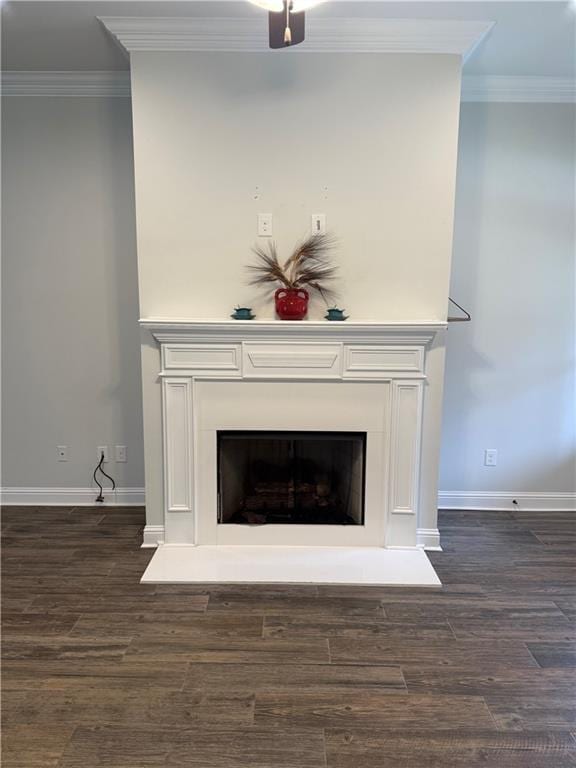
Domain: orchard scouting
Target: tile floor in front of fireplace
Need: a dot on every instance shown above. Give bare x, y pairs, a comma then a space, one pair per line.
100, 670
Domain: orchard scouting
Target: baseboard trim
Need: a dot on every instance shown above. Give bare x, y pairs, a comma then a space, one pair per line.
71, 497
153, 536
429, 539
503, 501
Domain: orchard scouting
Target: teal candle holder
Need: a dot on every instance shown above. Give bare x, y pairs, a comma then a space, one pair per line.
335, 315
243, 313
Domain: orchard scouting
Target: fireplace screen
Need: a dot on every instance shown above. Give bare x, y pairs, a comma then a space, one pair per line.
314, 478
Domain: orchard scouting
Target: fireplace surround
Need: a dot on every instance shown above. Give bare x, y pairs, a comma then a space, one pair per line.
221, 378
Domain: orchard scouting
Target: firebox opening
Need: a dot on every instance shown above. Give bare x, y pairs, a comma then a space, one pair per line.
304, 478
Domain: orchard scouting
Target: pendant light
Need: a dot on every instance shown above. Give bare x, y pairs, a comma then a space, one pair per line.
285, 20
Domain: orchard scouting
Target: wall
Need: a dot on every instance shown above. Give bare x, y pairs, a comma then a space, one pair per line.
368, 140
69, 256
71, 367
510, 373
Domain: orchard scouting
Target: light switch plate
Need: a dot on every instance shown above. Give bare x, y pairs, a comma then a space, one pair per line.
318, 225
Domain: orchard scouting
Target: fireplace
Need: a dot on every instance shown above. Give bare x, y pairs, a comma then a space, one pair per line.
291, 452
291, 478
291, 434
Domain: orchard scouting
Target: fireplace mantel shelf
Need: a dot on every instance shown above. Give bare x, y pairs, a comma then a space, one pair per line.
185, 329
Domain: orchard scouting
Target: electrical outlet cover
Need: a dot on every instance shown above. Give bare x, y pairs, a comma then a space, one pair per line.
490, 457
265, 225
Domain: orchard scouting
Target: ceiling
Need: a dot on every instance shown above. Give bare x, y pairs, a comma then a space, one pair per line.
530, 38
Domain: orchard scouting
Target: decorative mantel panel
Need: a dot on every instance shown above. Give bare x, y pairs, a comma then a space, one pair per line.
266, 375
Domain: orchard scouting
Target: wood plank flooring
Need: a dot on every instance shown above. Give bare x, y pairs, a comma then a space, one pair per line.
100, 671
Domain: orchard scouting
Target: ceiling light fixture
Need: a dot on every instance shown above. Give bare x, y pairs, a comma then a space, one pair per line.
285, 20
304, 5
269, 5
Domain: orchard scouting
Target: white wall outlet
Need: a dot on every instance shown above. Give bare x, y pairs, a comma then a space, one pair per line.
264, 225
490, 457
62, 452
120, 452
103, 449
318, 226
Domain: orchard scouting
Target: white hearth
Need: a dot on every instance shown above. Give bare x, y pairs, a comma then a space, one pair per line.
367, 566
225, 376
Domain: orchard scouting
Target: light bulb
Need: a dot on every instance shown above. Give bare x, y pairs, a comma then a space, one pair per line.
269, 5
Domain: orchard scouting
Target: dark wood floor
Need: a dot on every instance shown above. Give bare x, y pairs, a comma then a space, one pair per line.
100, 670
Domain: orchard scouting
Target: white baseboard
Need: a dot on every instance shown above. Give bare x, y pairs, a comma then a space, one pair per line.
72, 497
153, 536
428, 538
503, 501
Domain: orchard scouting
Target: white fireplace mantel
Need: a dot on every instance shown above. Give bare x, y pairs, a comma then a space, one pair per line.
242, 348
265, 375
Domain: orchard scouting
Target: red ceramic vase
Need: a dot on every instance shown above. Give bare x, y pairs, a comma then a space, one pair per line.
291, 303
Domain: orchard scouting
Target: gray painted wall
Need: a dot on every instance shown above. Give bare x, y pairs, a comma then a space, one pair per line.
510, 373
70, 338
71, 346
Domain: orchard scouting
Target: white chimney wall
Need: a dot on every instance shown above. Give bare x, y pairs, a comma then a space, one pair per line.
370, 140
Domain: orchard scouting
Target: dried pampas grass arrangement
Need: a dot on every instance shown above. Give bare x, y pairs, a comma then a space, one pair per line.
308, 266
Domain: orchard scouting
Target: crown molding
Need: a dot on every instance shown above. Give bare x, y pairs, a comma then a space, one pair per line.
526, 89
250, 35
66, 84
490, 88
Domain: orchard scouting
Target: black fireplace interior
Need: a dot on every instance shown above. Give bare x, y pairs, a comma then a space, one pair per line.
314, 478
